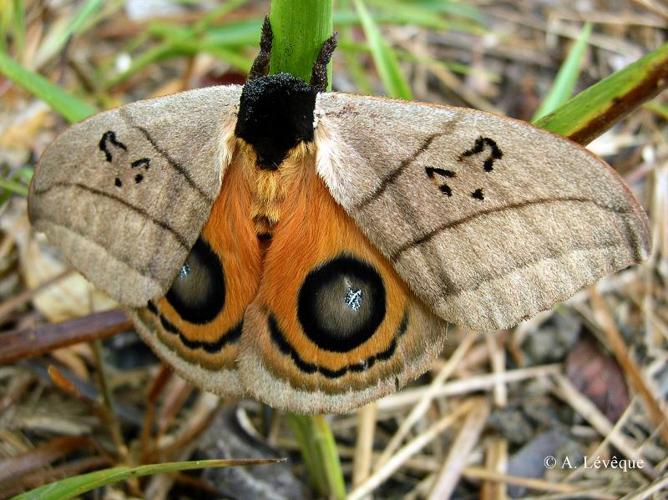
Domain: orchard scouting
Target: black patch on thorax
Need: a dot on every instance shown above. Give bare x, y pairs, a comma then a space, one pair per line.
275, 114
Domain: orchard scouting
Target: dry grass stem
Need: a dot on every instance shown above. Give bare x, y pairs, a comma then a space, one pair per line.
366, 430
467, 437
598, 421
410, 449
425, 401
652, 400
409, 397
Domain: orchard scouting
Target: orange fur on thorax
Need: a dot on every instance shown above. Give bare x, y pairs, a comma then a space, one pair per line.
269, 188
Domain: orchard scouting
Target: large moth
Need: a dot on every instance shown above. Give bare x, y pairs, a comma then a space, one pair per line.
307, 248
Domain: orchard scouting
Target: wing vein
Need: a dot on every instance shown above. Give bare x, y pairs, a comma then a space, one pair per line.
112, 256
396, 255
172, 162
178, 236
481, 280
392, 176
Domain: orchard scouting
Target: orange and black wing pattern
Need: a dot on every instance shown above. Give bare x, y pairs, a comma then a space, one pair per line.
197, 326
332, 325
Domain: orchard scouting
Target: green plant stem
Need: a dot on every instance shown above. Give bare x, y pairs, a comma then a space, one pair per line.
318, 448
591, 112
300, 27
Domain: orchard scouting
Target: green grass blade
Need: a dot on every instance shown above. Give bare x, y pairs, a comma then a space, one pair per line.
236, 34
459, 8
593, 111
217, 13
302, 427
19, 25
318, 449
567, 76
12, 186
77, 485
57, 39
325, 444
411, 13
385, 60
71, 108
160, 52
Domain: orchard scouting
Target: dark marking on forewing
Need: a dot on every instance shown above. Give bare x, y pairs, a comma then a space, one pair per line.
173, 163
392, 176
75, 185
278, 337
142, 162
231, 336
478, 194
478, 147
433, 171
110, 137
396, 255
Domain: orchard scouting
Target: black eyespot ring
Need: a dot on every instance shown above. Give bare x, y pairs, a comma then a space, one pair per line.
341, 304
198, 292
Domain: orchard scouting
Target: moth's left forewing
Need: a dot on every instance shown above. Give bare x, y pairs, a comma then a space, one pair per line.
487, 219
125, 194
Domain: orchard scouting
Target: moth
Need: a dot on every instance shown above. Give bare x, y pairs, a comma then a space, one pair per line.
308, 248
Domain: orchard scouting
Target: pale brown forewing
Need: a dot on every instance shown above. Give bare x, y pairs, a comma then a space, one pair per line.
125, 194
487, 219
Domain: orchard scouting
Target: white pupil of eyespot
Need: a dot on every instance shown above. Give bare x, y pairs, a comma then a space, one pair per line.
354, 299
185, 271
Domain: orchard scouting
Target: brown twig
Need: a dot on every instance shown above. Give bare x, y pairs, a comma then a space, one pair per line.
11, 469
28, 343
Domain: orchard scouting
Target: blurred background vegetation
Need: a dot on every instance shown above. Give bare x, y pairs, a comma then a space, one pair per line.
587, 379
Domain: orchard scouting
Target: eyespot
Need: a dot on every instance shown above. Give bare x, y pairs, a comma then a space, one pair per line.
198, 292
341, 304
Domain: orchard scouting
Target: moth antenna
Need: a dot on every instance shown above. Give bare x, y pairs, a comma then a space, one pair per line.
261, 64
319, 72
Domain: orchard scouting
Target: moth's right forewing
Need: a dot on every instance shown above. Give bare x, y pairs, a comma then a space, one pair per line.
125, 194
488, 219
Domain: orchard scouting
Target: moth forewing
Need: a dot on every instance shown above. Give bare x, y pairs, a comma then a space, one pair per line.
488, 219
125, 194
